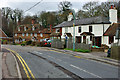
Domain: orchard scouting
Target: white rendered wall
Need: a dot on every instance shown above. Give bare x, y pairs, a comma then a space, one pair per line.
113, 15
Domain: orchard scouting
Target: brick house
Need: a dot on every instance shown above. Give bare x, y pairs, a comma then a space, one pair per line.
33, 32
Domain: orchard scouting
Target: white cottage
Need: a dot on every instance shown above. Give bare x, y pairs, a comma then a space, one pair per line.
90, 30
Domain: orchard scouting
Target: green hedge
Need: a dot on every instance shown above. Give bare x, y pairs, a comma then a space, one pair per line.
79, 50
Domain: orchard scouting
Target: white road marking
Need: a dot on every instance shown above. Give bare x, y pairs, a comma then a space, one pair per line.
85, 71
37, 52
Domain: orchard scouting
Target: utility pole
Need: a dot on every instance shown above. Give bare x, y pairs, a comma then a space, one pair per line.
73, 30
0, 27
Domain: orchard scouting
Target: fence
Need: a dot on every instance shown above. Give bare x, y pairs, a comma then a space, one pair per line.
78, 45
56, 43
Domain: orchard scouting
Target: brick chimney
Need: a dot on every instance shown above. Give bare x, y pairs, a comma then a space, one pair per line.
113, 14
33, 21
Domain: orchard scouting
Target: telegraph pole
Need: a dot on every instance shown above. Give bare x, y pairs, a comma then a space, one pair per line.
0, 27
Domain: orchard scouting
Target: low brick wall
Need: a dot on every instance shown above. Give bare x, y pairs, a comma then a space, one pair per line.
115, 52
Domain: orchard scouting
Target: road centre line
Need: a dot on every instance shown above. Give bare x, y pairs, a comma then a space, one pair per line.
23, 62
85, 71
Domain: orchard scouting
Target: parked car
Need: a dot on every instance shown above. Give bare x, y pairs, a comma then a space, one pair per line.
48, 43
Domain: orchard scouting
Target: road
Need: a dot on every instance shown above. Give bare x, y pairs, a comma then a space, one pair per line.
45, 63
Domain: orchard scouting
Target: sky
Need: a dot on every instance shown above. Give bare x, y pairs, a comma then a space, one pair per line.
45, 5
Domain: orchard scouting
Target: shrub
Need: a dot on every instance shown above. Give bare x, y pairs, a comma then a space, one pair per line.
28, 42
23, 43
33, 43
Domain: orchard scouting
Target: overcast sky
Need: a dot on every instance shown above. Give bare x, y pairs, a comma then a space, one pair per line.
45, 5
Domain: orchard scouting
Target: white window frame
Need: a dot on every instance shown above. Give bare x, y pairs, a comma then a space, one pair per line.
35, 34
26, 34
31, 34
41, 34
23, 34
16, 34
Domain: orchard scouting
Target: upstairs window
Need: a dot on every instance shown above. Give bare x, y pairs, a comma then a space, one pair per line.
41, 34
79, 29
31, 34
90, 28
23, 34
26, 34
16, 34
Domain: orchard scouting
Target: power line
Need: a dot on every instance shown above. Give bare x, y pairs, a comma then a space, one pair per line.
34, 5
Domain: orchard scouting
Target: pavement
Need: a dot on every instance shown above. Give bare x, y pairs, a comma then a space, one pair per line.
97, 56
10, 67
0, 65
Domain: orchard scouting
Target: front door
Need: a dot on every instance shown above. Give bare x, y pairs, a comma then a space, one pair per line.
97, 41
84, 39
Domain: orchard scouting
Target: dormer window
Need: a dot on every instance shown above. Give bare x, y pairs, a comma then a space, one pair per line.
18, 28
33, 28
24, 28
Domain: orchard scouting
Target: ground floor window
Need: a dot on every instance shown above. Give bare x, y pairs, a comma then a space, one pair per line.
78, 39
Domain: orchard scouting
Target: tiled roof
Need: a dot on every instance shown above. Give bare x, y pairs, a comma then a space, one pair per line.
111, 31
92, 20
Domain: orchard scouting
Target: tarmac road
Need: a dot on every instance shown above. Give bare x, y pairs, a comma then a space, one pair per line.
37, 60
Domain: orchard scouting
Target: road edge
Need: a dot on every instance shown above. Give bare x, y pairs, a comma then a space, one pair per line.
17, 66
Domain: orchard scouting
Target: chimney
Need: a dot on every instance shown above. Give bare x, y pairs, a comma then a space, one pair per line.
33, 21
113, 14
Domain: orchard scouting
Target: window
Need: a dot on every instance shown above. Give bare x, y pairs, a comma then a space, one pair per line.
78, 39
31, 34
26, 34
23, 34
90, 28
18, 28
111, 39
35, 34
33, 28
16, 34
23, 39
24, 28
41, 34
79, 29
57, 30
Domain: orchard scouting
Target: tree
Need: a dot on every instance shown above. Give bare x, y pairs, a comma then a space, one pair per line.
48, 18
64, 9
90, 8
